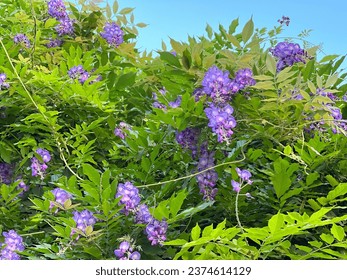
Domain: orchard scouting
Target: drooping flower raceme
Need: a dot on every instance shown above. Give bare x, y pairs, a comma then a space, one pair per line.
288, 54
156, 232
65, 27
78, 72
284, 20
6, 173
121, 130
113, 34
143, 216
38, 168
53, 43
216, 84
3, 84
188, 139
221, 121
57, 9
243, 78
13, 242
176, 103
208, 179
60, 196
244, 176
22, 39
84, 219
198, 93
126, 252
129, 195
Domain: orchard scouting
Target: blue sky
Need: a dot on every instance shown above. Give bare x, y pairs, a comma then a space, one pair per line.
177, 19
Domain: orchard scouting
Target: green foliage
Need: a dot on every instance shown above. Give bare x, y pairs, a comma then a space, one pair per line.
295, 208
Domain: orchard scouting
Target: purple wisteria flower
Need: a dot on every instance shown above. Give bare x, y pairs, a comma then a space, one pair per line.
216, 84
83, 219
38, 168
323, 92
221, 121
129, 195
22, 186
121, 130
126, 252
208, 179
288, 54
13, 242
3, 84
198, 93
176, 103
243, 78
22, 39
244, 175
60, 196
53, 43
188, 139
156, 232
284, 20
143, 216
65, 27
236, 186
113, 34
6, 173
57, 9
78, 72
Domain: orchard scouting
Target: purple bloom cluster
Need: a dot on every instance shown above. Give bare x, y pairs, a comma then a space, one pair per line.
22, 39
121, 130
38, 168
83, 219
288, 54
3, 84
198, 93
244, 176
22, 186
208, 179
155, 230
129, 195
176, 103
78, 72
221, 120
65, 27
243, 78
13, 242
60, 196
143, 216
322, 92
337, 115
6, 173
216, 84
284, 20
53, 43
113, 34
57, 9
126, 252
188, 139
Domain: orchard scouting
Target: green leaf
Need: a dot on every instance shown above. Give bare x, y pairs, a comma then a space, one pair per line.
328, 238
276, 222
247, 31
281, 178
176, 202
125, 80
115, 7
108, 10
195, 233
170, 58
287, 150
209, 31
176, 242
91, 173
311, 178
341, 189
125, 11
271, 64
338, 232
332, 181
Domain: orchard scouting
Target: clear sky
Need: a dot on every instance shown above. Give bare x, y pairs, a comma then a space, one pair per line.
178, 18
